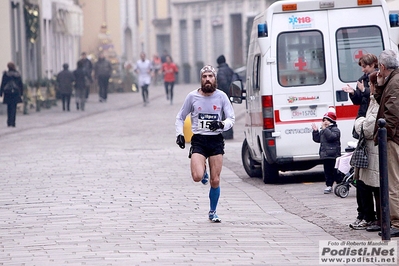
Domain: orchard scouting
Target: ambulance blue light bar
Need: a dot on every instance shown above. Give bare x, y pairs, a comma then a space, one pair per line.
262, 30
394, 20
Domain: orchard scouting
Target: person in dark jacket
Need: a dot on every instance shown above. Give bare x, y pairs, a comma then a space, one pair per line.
224, 75
65, 81
329, 138
80, 86
102, 72
387, 95
88, 67
361, 96
11, 99
224, 78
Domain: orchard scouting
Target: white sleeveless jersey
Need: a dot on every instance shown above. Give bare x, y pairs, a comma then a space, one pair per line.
205, 109
144, 72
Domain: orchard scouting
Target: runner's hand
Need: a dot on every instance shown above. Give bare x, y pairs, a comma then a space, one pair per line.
214, 125
181, 142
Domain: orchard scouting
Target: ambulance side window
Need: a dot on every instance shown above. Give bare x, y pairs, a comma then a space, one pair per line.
256, 76
352, 43
300, 58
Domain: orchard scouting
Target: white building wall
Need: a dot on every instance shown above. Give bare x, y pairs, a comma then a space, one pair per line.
128, 21
5, 30
61, 27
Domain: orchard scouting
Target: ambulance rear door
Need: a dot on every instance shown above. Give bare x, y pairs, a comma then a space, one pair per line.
302, 81
351, 38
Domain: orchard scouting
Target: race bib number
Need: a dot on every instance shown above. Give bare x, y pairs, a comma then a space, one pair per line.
204, 120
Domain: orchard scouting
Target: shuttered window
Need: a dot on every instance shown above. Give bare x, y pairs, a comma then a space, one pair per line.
219, 40
197, 41
184, 41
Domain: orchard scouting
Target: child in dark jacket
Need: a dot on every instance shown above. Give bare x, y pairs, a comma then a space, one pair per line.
330, 147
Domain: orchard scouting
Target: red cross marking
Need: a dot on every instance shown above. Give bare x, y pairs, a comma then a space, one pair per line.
301, 64
358, 54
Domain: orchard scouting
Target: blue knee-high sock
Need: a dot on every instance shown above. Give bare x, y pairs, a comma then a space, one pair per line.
214, 194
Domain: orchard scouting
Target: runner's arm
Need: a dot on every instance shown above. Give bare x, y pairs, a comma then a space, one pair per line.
228, 112
181, 116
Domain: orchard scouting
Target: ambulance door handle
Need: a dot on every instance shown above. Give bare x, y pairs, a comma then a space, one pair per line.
276, 134
313, 106
293, 108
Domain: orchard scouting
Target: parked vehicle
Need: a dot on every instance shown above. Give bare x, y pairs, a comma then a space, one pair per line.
301, 54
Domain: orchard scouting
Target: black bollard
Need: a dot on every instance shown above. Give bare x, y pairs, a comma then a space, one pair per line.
384, 195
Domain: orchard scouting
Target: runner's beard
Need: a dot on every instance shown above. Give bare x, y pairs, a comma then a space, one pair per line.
208, 87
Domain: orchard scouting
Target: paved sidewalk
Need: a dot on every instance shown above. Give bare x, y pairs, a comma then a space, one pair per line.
109, 186
55, 116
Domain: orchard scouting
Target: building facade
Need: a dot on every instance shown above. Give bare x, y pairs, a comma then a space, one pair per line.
40, 35
204, 30
193, 32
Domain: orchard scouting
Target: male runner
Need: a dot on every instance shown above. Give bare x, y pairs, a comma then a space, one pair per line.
206, 106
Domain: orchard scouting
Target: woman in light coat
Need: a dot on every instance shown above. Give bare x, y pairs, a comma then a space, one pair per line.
370, 176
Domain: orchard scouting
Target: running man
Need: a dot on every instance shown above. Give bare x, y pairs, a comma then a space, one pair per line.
144, 70
206, 106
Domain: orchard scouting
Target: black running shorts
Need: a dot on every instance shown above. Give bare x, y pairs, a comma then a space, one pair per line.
207, 145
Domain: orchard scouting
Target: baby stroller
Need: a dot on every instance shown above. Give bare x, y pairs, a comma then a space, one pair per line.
344, 167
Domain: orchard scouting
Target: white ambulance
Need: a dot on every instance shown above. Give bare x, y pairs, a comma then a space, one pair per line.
301, 54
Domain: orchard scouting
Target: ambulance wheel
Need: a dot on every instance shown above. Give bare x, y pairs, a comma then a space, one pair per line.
252, 168
269, 172
343, 191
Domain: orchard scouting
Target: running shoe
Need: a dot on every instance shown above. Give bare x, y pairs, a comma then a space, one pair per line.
355, 223
327, 190
205, 178
374, 227
214, 217
362, 225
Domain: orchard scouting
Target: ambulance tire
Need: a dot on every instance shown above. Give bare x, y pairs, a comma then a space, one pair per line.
270, 172
252, 168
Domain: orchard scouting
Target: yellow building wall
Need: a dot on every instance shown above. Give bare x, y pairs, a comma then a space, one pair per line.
95, 14
162, 9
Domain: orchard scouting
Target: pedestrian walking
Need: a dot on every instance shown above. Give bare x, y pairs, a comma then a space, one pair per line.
169, 70
329, 138
65, 79
12, 90
102, 72
224, 79
144, 70
387, 96
206, 106
163, 56
157, 68
80, 85
368, 183
88, 67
